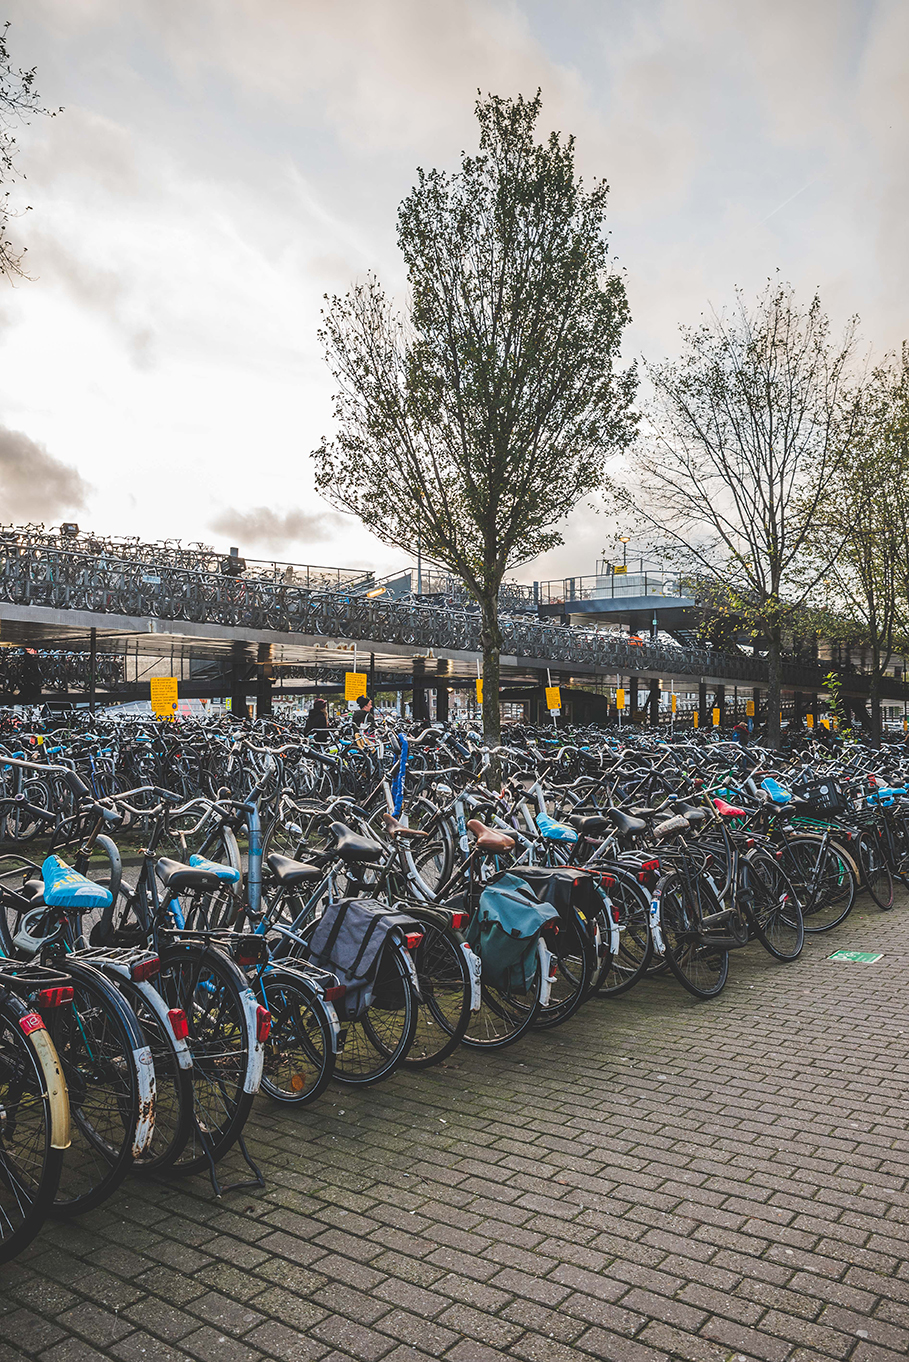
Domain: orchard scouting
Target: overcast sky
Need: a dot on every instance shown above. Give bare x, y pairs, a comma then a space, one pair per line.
220, 164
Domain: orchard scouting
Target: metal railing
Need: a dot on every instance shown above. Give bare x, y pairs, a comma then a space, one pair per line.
602, 586
64, 580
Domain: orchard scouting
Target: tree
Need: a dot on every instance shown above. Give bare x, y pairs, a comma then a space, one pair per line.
744, 434
475, 422
18, 99
870, 576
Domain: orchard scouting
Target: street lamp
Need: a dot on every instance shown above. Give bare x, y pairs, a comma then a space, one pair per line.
624, 540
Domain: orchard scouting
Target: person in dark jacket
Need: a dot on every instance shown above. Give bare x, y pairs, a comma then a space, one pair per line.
316, 726
362, 713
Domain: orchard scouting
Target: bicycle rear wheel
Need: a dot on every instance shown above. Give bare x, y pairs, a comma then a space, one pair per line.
207, 986
775, 913
627, 965
443, 1012
876, 874
701, 969
31, 1149
372, 1045
504, 1014
300, 1050
824, 877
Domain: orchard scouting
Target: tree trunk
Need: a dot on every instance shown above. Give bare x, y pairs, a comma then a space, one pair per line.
874, 688
774, 688
491, 643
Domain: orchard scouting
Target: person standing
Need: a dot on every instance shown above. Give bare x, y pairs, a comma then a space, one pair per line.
316, 726
363, 713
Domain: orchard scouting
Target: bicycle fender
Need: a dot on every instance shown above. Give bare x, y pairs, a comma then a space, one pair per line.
145, 1128
57, 1096
256, 1048
546, 960
157, 1005
475, 971
655, 933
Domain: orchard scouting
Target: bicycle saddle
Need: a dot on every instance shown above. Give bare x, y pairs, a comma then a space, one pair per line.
490, 839
554, 831
396, 829
671, 828
624, 824
226, 873
66, 888
177, 876
691, 812
590, 825
351, 847
292, 872
728, 810
777, 793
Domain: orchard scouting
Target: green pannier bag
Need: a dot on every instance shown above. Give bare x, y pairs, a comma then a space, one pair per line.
504, 932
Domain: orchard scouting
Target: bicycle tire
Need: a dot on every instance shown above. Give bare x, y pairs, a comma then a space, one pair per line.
372, 1046
208, 987
443, 1010
300, 1050
702, 970
35, 1125
630, 963
108, 1067
774, 910
825, 878
503, 1016
173, 1079
877, 877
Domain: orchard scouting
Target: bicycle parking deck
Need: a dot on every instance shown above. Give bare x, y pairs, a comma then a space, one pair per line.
657, 1179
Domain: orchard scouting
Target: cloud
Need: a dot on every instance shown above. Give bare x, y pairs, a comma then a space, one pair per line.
33, 484
264, 528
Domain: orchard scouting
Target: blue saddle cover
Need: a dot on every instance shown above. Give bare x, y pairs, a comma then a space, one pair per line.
226, 873
554, 831
775, 790
66, 888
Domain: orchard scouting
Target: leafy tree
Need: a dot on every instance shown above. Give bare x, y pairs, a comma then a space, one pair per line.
744, 434
18, 99
870, 576
473, 423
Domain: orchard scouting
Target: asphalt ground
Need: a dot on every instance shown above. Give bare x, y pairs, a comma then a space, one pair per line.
659, 1178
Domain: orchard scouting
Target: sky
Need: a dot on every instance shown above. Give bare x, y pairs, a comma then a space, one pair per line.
220, 165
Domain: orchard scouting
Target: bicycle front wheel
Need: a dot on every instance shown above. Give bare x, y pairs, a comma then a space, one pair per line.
445, 993
824, 877
300, 1050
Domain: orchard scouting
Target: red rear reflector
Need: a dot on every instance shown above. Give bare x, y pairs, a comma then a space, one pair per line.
31, 1022
263, 1024
55, 997
246, 958
178, 1023
459, 920
650, 865
332, 995
607, 881
412, 940
749, 842
145, 969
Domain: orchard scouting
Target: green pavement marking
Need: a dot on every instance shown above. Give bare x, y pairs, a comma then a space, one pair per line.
856, 957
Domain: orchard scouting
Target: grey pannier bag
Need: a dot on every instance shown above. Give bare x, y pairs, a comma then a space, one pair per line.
349, 941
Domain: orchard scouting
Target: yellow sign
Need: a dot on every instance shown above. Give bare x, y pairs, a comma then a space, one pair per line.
749, 709
354, 685
716, 716
696, 719
479, 690
163, 696
553, 698
809, 720
826, 723
620, 698
673, 702
619, 571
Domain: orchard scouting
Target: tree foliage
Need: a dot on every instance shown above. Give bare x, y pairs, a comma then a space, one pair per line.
473, 422
18, 100
744, 434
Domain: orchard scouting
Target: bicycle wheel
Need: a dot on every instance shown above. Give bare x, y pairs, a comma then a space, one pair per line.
300, 1050
627, 965
110, 1078
824, 877
34, 1126
701, 969
570, 975
372, 1045
443, 1012
504, 1014
876, 874
207, 986
772, 906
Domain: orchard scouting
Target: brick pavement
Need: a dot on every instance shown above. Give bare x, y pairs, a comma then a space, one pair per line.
657, 1179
